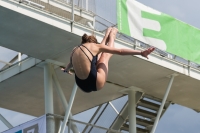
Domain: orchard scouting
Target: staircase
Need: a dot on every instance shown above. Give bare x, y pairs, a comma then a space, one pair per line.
146, 112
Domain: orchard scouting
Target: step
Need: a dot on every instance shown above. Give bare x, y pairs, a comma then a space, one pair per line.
149, 105
142, 122
145, 113
125, 127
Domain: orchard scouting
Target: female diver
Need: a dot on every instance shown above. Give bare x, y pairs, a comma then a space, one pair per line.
90, 71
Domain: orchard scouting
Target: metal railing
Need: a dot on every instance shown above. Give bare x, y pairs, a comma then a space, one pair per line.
13, 64
104, 17
99, 128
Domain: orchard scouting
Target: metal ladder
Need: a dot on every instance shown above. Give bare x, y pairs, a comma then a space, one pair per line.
146, 112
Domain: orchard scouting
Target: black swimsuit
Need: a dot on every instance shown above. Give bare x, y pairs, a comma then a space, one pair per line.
88, 84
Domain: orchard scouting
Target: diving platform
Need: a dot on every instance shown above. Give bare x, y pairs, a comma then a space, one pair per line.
47, 37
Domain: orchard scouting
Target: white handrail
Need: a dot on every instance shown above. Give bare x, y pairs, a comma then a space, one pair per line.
5, 62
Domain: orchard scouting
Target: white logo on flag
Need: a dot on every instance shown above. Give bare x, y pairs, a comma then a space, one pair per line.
137, 24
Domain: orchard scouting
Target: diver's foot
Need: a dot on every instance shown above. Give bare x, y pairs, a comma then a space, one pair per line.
108, 31
113, 33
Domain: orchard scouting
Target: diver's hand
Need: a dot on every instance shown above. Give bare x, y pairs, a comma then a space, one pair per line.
68, 72
146, 52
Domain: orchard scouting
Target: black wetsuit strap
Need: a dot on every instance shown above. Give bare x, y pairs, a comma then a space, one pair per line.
85, 53
88, 50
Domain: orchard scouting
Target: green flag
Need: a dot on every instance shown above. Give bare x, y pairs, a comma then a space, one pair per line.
158, 29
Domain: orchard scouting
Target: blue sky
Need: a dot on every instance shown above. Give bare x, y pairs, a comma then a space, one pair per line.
184, 10
177, 119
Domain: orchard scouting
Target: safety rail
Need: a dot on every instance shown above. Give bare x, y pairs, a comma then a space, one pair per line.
4, 62
87, 5
18, 67
101, 129
13, 64
101, 24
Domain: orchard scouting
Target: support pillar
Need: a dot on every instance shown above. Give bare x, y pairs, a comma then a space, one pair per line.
69, 108
63, 99
48, 91
132, 107
132, 111
57, 125
163, 102
19, 58
72, 23
86, 5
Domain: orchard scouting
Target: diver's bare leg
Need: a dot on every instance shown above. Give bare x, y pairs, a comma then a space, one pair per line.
102, 64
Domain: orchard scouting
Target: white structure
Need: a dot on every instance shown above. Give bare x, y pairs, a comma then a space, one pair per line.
46, 31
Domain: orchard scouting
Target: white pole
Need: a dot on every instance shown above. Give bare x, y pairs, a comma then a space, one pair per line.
132, 111
86, 5
7, 63
72, 23
73, 10
69, 126
19, 58
63, 99
81, 4
94, 22
57, 124
90, 25
113, 107
163, 103
5, 122
48, 87
132, 91
69, 108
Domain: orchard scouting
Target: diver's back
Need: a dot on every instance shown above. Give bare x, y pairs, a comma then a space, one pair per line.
81, 60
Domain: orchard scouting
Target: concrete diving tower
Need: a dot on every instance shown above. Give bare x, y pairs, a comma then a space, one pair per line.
47, 31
